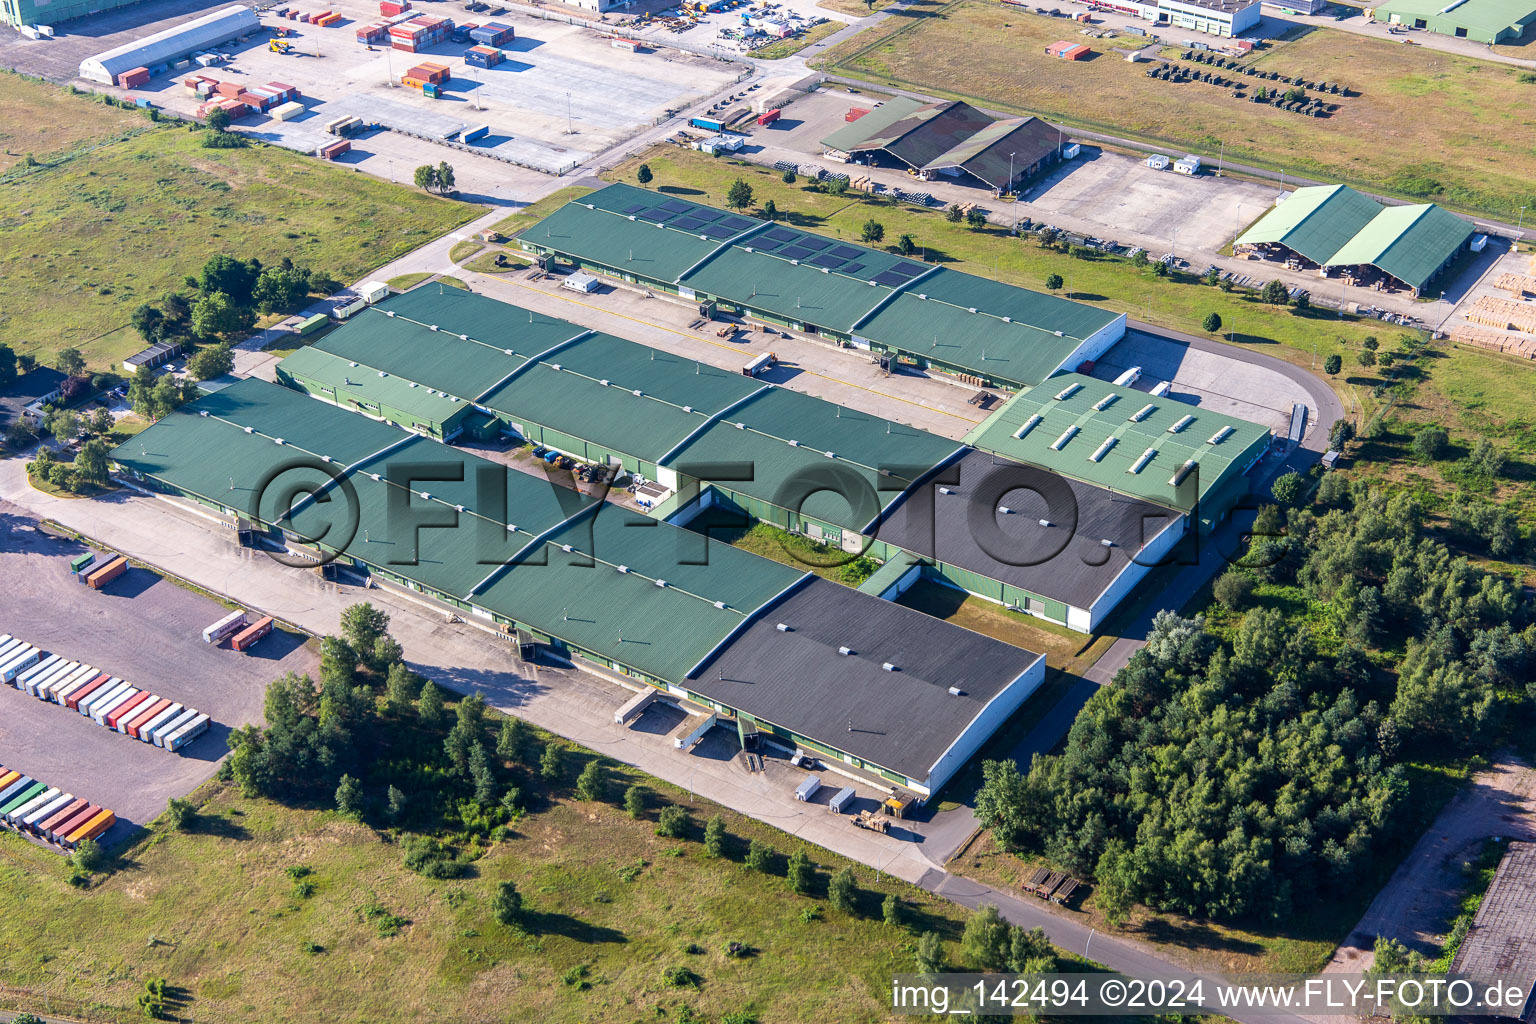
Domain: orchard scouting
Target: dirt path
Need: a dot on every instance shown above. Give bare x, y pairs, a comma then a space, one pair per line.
1418, 903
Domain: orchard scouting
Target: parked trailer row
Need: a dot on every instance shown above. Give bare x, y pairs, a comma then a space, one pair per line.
248, 636
106, 699
230, 623
46, 812
107, 573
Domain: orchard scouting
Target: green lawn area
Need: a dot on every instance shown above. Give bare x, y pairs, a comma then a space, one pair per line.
485, 263
611, 906
462, 251
91, 237
49, 124
1425, 125
855, 7
781, 48
537, 211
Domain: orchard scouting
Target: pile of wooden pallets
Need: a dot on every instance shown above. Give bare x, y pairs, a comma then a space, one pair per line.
1497, 341
1056, 886
1503, 314
1518, 285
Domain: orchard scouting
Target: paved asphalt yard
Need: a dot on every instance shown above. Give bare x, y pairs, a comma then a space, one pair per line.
145, 629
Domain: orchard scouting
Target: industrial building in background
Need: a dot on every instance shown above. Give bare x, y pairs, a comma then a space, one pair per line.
156, 53
722, 447
1216, 17
918, 314
1483, 21
1333, 228
773, 650
950, 138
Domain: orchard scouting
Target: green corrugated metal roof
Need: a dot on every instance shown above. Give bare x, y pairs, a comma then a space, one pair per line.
859, 133
801, 293
1487, 18
1408, 242
1314, 221
842, 468
1011, 336
579, 596
1136, 421
371, 386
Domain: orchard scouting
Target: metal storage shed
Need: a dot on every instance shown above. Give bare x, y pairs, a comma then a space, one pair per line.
171, 44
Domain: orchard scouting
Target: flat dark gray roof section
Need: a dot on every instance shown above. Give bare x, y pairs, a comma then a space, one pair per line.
903, 720
1065, 561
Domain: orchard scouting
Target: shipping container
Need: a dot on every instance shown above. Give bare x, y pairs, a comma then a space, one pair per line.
429, 71
45, 825
101, 709
72, 700
81, 561
42, 809
633, 46
158, 736
14, 789
483, 56
79, 816
147, 730
116, 717
330, 152
109, 691
431, 90
59, 692
21, 799
287, 111
252, 633
225, 626
133, 78
187, 733
378, 32
92, 829
707, 123
769, 117
107, 573
313, 324
9, 643
79, 673
390, 8
493, 33
146, 713
24, 658
35, 675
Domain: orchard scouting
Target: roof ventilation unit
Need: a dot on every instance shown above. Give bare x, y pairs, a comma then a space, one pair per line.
955, 691
566, 548
845, 651
1182, 472
1103, 449
353, 363
1106, 542
389, 312
1004, 510
783, 627
889, 667
278, 440
1007, 319
1142, 413
203, 413
1045, 522
376, 477
661, 583
511, 527
1060, 335
793, 444
623, 568
720, 605
604, 382
830, 455
1066, 435
1105, 402
741, 426
556, 366
1028, 425
1183, 422
463, 337
325, 458
426, 496
432, 327
945, 490
250, 430
1221, 435
687, 408
1139, 464
637, 392
1068, 391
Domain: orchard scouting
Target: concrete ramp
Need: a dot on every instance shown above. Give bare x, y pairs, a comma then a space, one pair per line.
692, 729
635, 707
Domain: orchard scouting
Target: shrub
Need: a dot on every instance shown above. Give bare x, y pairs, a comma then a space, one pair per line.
634, 801
1233, 589
716, 840
592, 784
89, 856
507, 904
643, 174
674, 822
1053, 282
892, 912
1211, 323
430, 858
678, 976
760, 857
552, 762
179, 813
801, 874
843, 891
1287, 488
1430, 443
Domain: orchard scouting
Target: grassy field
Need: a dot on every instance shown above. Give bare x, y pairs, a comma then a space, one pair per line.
46, 123
215, 912
462, 251
91, 237
855, 7
781, 48
1427, 124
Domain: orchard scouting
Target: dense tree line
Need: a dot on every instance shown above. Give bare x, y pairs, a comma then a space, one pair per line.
1253, 773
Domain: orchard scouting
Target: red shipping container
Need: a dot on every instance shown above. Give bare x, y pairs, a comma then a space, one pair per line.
127, 706
769, 117
133, 78
229, 89
390, 8
63, 814
107, 573
73, 703
132, 729
854, 113
74, 821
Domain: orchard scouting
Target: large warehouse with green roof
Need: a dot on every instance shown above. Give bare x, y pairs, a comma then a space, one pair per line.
923, 315
1335, 227
1486, 21
628, 593
750, 450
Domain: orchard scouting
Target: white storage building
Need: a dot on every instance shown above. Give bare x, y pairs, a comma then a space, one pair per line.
171, 44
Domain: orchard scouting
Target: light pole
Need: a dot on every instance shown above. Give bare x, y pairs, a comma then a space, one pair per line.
1520, 227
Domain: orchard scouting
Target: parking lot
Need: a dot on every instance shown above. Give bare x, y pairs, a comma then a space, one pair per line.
562, 94
145, 629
